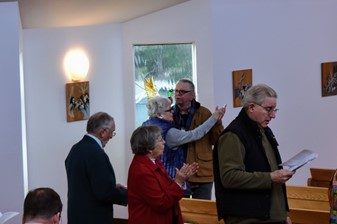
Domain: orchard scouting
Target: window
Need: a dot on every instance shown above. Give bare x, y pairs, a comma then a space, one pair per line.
159, 65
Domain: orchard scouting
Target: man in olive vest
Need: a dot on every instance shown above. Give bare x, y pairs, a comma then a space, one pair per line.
249, 183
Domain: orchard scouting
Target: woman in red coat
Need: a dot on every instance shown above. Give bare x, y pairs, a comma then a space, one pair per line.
153, 197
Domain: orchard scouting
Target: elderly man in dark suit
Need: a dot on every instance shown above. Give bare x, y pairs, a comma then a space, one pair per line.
92, 188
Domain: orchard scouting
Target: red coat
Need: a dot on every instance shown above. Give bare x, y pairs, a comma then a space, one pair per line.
153, 197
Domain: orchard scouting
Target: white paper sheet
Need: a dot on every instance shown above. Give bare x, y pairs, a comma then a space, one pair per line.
6, 216
300, 159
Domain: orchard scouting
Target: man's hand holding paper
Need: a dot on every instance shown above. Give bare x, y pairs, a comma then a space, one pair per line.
281, 176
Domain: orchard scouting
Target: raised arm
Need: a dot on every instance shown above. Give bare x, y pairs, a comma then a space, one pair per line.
176, 137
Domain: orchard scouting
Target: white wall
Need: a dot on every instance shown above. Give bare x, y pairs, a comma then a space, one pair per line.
11, 168
49, 135
284, 42
187, 22
111, 85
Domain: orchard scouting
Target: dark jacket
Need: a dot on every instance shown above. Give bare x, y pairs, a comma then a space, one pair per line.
91, 184
246, 203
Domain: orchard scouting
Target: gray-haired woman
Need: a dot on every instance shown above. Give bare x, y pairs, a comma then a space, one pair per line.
160, 114
153, 197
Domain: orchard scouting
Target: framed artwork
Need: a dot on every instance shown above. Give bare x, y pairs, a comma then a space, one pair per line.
329, 78
242, 81
77, 101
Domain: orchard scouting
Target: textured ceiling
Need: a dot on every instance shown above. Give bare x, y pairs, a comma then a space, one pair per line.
65, 13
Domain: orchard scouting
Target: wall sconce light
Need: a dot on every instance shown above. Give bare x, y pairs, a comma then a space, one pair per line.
76, 67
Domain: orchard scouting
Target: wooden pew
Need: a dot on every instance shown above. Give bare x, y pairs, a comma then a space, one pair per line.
199, 211
308, 205
321, 177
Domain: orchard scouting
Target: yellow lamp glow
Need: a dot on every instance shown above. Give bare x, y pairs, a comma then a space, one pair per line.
76, 65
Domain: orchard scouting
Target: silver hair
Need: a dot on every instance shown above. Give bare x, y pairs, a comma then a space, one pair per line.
98, 121
257, 94
185, 80
157, 105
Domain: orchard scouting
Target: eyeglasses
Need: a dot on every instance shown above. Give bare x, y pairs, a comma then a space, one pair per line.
181, 91
160, 139
269, 110
113, 132
169, 110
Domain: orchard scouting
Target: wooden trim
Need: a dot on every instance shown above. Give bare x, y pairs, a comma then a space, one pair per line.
310, 198
305, 216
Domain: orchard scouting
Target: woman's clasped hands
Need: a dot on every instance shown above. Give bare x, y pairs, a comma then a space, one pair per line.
185, 172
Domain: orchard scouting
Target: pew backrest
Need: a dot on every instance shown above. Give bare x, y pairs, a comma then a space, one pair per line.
308, 205
321, 177
199, 211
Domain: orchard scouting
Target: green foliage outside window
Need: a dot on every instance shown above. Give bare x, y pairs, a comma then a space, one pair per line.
166, 64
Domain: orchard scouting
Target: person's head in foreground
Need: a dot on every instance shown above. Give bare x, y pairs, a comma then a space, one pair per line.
42, 205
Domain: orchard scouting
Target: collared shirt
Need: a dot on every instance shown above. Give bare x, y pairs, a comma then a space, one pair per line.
96, 139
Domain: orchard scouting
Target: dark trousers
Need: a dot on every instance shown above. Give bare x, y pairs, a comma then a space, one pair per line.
201, 190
